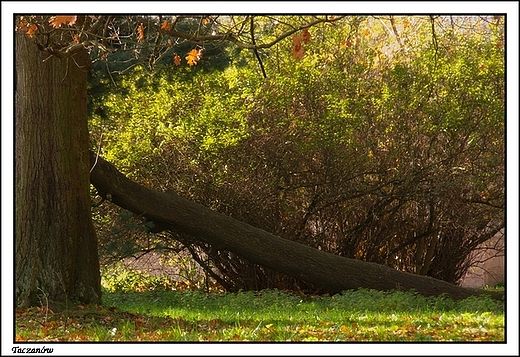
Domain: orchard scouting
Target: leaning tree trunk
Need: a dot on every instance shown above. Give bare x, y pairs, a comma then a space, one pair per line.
55, 242
332, 272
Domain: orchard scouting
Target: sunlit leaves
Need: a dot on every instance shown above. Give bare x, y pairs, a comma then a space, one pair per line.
194, 56
404, 115
58, 21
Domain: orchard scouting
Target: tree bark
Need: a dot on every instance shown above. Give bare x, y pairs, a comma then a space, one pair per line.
55, 242
332, 272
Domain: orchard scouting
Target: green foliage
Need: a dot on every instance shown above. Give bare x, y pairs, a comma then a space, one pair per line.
362, 315
121, 279
376, 145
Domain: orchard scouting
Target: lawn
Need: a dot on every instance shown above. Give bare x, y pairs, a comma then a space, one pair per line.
269, 315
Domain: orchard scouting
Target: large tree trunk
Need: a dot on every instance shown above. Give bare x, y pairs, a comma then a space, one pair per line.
55, 242
332, 272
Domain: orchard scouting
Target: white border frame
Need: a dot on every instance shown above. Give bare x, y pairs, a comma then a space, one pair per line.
128, 349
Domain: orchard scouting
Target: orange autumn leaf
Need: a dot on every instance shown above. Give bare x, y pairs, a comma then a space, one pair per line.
166, 26
76, 38
297, 51
23, 25
140, 33
297, 48
57, 21
177, 60
193, 57
297, 40
306, 36
367, 32
32, 30
345, 43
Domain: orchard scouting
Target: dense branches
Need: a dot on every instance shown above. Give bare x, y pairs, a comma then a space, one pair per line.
152, 38
330, 272
390, 155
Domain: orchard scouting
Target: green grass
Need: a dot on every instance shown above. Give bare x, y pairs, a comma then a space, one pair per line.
269, 315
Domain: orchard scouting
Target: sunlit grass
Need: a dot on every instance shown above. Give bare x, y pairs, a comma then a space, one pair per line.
352, 316
269, 315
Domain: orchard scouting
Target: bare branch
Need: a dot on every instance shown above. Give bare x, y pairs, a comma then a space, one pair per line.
256, 50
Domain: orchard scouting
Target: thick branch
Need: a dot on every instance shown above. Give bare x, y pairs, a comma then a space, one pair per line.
229, 36
332, 272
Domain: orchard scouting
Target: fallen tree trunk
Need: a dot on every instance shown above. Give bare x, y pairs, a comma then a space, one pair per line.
332, 272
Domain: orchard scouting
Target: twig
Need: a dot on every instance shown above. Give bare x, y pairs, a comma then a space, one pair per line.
255, 50
46, 303
97, 153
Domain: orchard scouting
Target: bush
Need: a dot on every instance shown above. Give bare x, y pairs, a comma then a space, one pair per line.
372, 152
